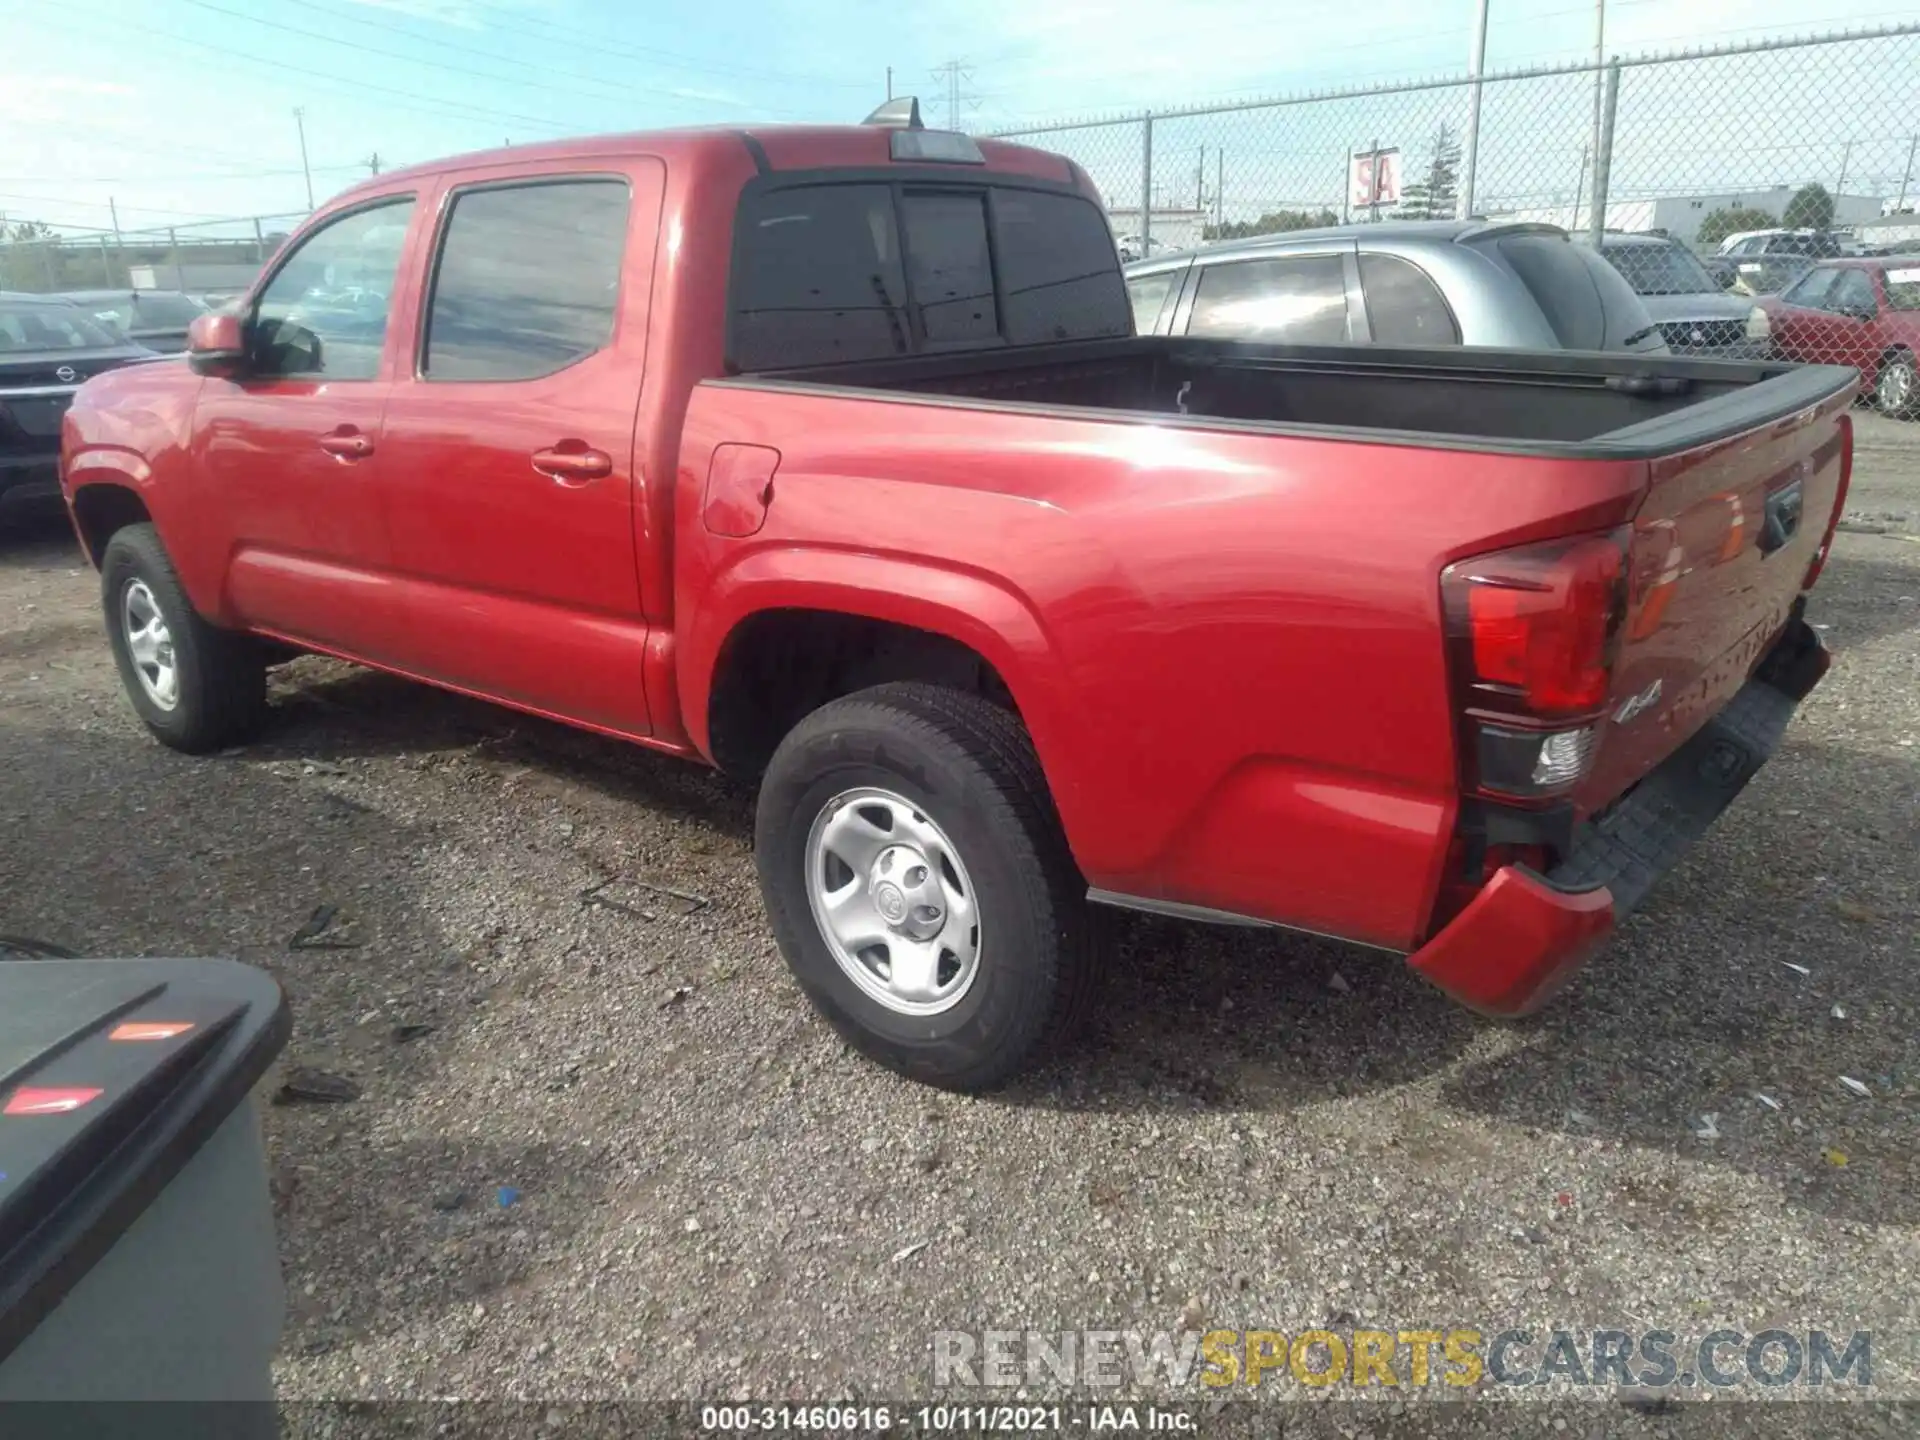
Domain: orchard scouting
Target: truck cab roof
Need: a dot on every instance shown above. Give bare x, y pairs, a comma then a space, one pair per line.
770, 148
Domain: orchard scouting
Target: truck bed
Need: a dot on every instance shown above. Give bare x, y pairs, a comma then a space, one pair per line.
1527, 402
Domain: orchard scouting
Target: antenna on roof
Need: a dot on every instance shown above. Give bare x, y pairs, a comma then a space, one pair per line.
900, 113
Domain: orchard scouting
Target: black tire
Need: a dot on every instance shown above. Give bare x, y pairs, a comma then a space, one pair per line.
222, 682
1896, 391
969, 765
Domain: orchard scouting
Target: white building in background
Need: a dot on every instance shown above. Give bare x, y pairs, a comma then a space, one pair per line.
1167, 229
1680, 215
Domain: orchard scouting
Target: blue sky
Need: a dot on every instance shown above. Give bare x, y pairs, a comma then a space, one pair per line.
180, 110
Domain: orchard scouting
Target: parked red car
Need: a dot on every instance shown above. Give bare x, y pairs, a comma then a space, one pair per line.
829, 456
1864, 313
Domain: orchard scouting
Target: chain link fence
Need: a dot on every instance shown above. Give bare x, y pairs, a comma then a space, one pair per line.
212, 257
1680, 152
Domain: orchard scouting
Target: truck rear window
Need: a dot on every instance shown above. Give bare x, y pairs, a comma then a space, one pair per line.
859, 271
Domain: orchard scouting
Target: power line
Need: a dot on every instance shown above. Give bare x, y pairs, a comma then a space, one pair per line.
408, 100
600, 44
182, 179
492, 76
107, 205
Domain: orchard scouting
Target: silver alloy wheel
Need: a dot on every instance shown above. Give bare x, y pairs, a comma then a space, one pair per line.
150, 644
1896, 387
893, 901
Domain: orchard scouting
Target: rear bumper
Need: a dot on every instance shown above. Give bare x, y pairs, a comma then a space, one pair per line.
1524, 934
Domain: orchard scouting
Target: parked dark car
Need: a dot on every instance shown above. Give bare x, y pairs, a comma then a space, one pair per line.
157, 319
1864, 313
1404, 282
1695, 313
47, 348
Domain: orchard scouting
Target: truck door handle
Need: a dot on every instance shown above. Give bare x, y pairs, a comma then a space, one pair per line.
346, 443
569, 465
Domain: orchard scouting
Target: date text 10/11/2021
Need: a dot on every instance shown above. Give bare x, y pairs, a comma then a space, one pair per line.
938, 1419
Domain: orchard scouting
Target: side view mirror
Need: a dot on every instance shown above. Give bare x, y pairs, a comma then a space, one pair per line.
1855, 312
216, 344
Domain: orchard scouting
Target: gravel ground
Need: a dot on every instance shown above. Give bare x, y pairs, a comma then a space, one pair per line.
715, 1198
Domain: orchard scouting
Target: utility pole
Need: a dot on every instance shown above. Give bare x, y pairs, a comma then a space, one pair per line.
1200, 182
373, 163
1477, 63
1840, 186
889, 82
1906, 179
300, 124
114, 210
1219, 187
1598, 222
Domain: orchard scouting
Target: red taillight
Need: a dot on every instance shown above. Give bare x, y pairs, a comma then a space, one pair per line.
1839, 504
1540, 622
1533, 633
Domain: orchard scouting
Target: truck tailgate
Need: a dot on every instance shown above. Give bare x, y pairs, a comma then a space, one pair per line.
1722, 546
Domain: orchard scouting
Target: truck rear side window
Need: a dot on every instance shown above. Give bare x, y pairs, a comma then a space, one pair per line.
821, 273
817, 277
1057, 269
527, 281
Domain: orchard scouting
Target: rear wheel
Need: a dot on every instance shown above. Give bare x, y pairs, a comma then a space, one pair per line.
1897, 391
920, 886
196, 687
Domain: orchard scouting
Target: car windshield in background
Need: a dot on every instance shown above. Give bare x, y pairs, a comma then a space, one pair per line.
1903, 287
52, 327
1661, 270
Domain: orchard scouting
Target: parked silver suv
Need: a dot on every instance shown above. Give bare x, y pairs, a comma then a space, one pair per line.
1400, 282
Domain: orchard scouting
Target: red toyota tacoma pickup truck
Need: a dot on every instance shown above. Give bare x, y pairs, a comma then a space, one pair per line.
828, 456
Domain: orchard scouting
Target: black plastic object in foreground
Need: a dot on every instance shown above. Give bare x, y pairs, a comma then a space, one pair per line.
136, 1245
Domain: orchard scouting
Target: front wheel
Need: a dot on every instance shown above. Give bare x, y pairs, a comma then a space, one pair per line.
1897, 391
920, 886
197, 687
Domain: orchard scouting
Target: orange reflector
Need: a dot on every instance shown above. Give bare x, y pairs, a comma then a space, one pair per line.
25, 1101
150, 1029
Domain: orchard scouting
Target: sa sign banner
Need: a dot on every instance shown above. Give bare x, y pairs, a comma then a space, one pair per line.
1373, 178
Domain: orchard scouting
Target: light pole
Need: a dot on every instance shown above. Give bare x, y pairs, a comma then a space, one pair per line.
1470, 161
1597, 222
300, 124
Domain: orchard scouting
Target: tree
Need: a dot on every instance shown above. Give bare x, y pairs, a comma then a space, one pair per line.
30, 230
1811, 208
1718, 224
1274, 222
1435, 195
